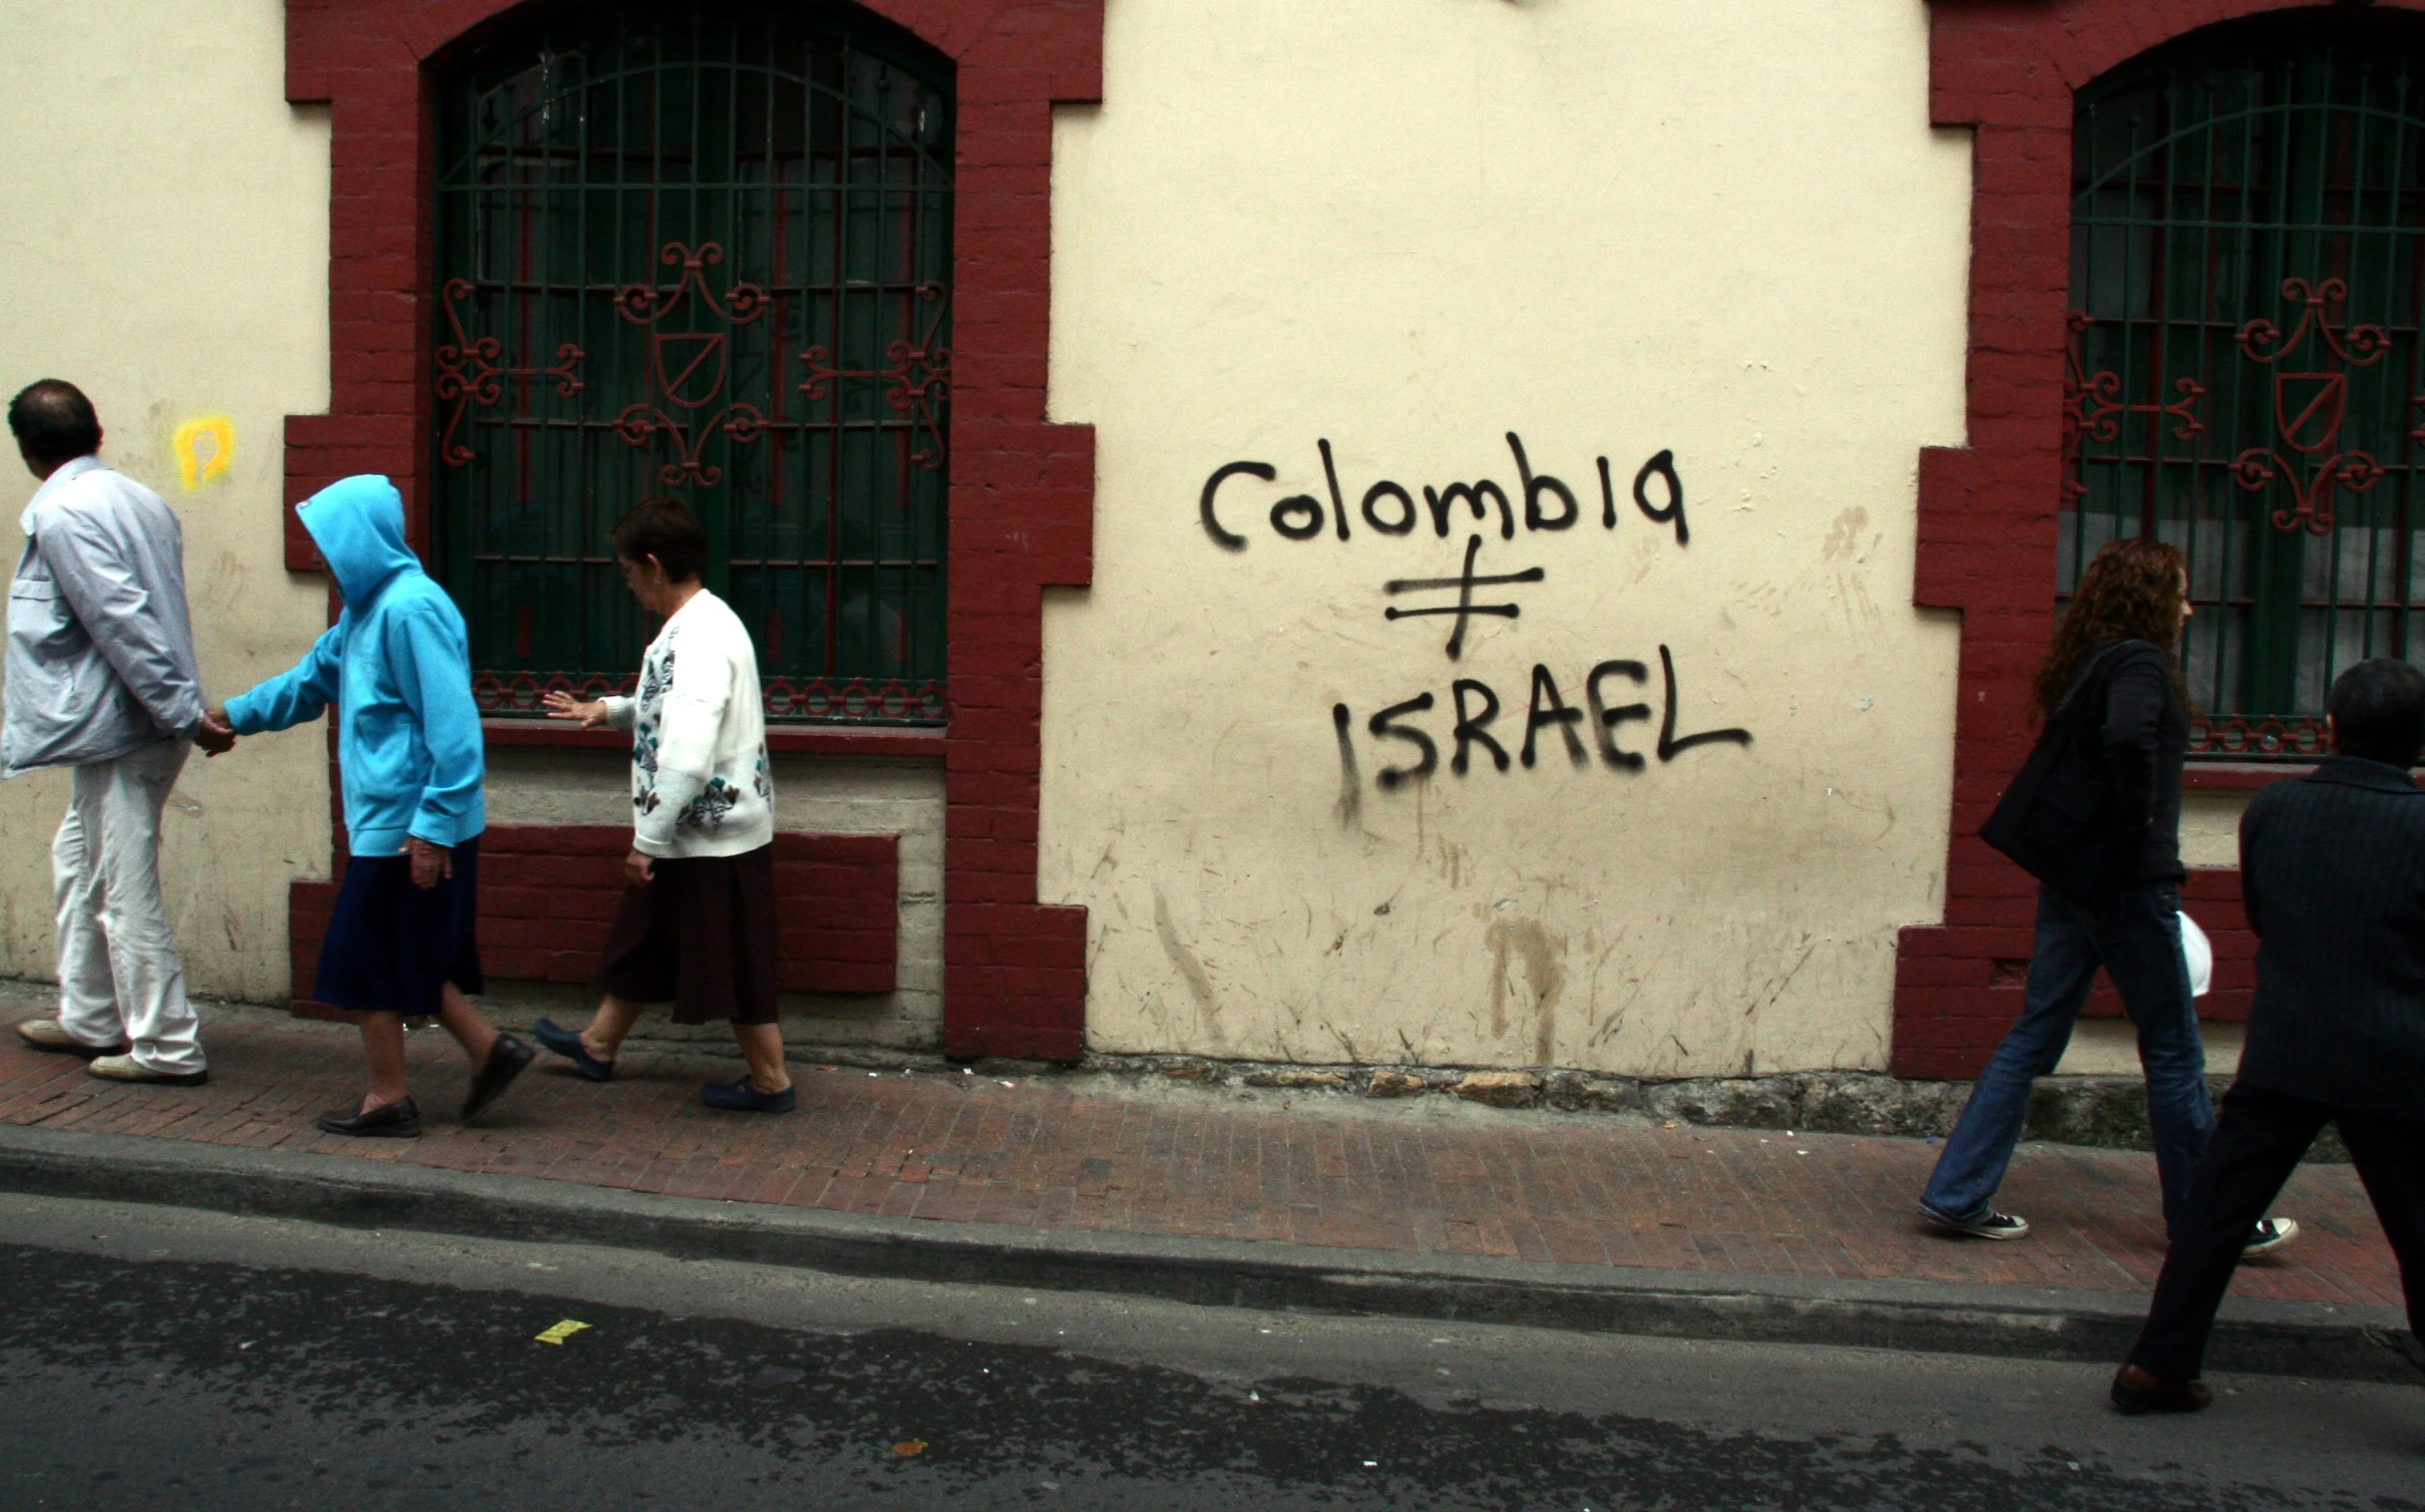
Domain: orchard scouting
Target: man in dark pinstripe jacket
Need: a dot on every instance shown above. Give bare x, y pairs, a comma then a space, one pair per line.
2333, 872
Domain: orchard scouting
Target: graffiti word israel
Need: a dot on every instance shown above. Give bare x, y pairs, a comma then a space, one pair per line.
1476, 707
1389, 508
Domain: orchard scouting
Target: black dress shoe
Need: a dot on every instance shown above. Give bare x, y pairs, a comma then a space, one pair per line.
394, 1120
2136, 1390
504, 1061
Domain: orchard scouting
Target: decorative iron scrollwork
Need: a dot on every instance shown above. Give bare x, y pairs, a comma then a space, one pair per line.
646, 304
2309, 408
468, 369
2299, 736
677, 359
2093, 408
845, 699
917, 384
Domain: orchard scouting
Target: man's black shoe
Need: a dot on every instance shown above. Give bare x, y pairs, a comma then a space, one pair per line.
2136, 1390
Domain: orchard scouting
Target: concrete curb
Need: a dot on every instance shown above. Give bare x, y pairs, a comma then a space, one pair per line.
2280, 1338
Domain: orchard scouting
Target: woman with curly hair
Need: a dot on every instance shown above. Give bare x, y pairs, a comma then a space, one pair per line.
2115, 733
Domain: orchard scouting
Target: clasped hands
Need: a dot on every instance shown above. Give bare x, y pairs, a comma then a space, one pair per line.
214, 734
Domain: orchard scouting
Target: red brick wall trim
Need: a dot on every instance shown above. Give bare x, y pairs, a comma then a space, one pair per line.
2238, 777
783, 740
1023, 490
548, 894
2008, 69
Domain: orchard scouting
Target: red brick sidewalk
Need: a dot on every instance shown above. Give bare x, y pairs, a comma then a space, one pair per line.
1320, 1170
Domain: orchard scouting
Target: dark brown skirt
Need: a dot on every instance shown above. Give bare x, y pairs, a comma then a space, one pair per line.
700, 936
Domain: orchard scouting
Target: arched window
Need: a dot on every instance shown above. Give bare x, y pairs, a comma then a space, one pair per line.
700, 251
2247, 377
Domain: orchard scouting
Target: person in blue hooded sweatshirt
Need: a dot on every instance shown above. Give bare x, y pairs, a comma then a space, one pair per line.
401, 943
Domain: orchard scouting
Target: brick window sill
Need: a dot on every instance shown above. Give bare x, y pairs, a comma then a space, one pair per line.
781, 740
2239, 775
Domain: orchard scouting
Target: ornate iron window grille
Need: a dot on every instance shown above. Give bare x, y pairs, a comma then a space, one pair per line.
700, 250
2247, 283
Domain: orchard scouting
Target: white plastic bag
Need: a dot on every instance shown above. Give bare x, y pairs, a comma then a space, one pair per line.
2201, 952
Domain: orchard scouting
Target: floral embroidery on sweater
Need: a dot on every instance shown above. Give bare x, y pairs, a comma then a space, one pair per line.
707, 811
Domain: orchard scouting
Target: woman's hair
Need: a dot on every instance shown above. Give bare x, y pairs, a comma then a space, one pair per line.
2131, 591
666, 530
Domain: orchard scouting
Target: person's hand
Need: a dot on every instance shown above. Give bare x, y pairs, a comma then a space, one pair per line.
432, 863
215, 735
566, 706
639, 869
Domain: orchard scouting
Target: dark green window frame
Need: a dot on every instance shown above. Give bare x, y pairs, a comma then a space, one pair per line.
2247, 281
700, 250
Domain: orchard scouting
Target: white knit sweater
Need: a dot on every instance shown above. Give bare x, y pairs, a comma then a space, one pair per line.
700, 785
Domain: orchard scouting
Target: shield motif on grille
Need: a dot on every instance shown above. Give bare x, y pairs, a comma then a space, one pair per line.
689, 367
2310, 407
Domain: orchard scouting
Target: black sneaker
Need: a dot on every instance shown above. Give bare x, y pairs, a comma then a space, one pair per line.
2269, 1234
1988, 1225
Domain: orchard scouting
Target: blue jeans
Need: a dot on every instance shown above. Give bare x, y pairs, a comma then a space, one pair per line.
2137, 942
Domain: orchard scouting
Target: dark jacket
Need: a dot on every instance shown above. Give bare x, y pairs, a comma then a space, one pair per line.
2097, 807
2332, 871
2145, 741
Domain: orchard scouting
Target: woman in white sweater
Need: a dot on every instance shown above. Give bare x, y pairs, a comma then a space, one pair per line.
697, 922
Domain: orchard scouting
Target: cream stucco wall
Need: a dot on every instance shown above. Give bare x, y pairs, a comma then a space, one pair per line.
1409, 228
164, 237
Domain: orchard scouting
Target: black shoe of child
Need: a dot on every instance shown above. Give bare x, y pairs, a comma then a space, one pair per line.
392, 1120
504, 1061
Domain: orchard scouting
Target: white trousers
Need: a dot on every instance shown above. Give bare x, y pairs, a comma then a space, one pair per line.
119, 977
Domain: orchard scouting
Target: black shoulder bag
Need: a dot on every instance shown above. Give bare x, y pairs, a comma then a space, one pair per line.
2057, 819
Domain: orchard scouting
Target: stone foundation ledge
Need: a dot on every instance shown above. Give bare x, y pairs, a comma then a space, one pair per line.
2102, 1111
2108, 1112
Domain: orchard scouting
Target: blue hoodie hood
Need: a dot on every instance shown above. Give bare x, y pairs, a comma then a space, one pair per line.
358, 524
397, 665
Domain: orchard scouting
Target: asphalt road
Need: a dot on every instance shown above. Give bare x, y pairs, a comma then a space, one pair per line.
168, 1360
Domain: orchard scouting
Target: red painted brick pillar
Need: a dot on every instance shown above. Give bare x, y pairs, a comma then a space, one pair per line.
1023, 490
2008, 69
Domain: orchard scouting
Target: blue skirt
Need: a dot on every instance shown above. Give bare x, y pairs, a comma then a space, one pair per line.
392, 947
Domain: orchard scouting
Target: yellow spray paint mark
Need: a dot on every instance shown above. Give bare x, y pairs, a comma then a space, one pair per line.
203, 449
557, 1333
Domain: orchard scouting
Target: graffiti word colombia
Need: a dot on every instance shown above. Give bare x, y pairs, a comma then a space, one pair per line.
1389, 509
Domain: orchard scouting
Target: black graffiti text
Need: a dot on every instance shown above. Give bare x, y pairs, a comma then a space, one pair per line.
1465, 607
1387, 508
1481, 723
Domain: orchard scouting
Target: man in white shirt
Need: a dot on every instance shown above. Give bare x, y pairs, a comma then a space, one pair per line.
101, 679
